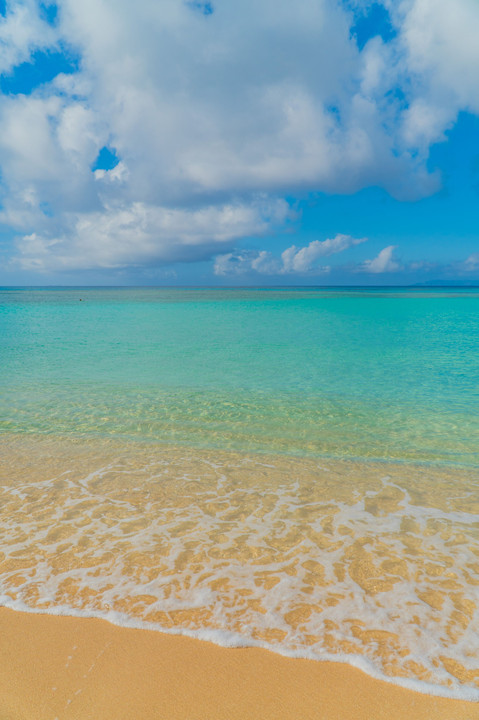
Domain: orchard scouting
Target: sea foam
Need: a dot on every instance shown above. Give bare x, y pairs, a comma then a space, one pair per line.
373, 564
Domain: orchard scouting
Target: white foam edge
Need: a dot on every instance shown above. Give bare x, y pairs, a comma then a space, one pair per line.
228, 639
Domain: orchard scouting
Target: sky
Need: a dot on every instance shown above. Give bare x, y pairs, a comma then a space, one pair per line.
261, 142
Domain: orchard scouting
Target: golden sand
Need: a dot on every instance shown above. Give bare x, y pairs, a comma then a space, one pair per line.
336, 557
87, 669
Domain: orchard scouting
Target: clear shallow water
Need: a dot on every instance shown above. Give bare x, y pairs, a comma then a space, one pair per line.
295, 468
392, 375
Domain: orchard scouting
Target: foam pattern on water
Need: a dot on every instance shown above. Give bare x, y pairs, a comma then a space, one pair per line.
319, 559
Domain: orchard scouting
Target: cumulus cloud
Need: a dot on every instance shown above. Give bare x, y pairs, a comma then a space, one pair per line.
210, 109
384, 262
440, 40
117, 174
23, 32
47, 146
302, 260
247, 261
142, 234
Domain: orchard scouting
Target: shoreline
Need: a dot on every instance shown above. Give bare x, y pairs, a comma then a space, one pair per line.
348, 537
86, 668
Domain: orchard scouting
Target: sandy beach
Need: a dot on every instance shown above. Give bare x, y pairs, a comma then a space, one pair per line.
75, 668
239, 360
294, 500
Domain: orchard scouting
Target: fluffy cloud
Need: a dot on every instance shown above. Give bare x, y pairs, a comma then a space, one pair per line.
141, 234
440, 42
245, 262
384, 262
303, 259
293, 260
209, 107
22, 32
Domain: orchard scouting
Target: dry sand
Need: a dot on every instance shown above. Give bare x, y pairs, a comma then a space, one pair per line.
77, 669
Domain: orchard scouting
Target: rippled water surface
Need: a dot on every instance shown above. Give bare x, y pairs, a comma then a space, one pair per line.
294, 468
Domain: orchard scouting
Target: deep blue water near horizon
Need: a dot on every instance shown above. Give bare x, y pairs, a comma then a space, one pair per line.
383, 373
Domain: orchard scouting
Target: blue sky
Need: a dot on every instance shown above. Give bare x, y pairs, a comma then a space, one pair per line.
184, 142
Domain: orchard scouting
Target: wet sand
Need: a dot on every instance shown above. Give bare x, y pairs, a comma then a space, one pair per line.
339, 557
81, 669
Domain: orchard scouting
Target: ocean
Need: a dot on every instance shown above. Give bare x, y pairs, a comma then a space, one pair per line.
293, 468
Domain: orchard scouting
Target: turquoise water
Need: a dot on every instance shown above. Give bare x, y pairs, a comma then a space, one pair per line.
387, 374
215, 462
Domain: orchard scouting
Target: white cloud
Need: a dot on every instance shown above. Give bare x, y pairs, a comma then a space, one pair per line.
294, 260
303, 259
258, 98
22, 32
443, 54
47, 144
117, 174
141, 234
241, 263
384, 262
438, 56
